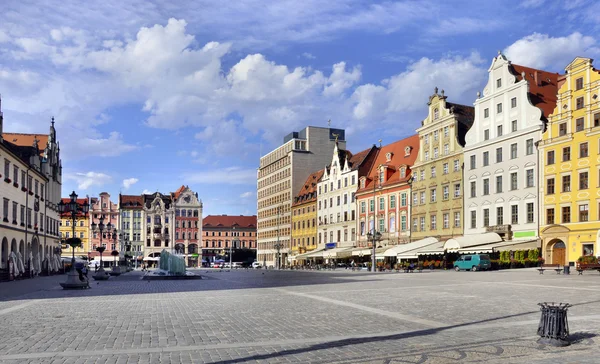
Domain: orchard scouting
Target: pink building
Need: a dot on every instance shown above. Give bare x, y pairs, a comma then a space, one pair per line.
103, 207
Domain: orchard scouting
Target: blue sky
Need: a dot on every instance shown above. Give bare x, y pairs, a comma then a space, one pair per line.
149, 96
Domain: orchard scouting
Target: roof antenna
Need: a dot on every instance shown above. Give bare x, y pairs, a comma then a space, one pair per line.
379, 143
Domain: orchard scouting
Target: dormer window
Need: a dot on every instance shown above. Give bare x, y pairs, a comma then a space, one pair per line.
436, 114
362, 183
388, 157
381, 175
403, 172
407, 151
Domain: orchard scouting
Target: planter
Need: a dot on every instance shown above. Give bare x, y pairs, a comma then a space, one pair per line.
7, 180
15, 184
24, 189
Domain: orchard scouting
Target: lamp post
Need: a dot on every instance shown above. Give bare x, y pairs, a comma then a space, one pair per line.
410, 202
374, 237
234, 244
74, 209
278, 245
101, 274
116, 269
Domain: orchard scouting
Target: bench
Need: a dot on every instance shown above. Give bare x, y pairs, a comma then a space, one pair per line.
587, 266
410, 270
556, 267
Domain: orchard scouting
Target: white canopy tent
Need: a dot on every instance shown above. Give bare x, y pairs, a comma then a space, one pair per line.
501, 246
470, 241
410, 247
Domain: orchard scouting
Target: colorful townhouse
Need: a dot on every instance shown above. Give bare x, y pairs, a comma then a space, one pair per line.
570, 226
437, 198
82, 231
304, 219
501, 169
383, 195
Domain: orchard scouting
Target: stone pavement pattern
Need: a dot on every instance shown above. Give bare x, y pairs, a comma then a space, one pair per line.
298, 316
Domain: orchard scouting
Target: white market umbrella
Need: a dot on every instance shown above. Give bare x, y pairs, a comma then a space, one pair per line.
20, 262
15, 266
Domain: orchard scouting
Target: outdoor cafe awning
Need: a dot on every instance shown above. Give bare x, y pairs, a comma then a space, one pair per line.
470, 241
317, 253
342, 252
502, 246
367, 251
402, 248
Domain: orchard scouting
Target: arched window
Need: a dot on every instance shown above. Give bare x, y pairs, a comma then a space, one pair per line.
436, 114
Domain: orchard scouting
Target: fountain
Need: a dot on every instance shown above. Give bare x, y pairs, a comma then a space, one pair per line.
170, 267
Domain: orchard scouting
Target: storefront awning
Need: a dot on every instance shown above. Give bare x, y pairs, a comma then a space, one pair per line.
367, 251
429, 250
502, 246
470, 241
402, 248
342, 252
308, 254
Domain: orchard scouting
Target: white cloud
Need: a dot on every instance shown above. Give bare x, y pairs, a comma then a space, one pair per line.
308, 55
247, 194
226, 176
465, 25
112, 146
89, 179
146, 192
551, 53
4, 37
129, 182
530, 4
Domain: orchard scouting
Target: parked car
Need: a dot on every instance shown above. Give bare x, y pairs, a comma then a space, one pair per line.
256, 265
473, 262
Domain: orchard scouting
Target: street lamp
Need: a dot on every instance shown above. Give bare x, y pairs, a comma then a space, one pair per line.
116, 269
278, 245
234, 242
101, 274
375, 236
73, 209
410, 202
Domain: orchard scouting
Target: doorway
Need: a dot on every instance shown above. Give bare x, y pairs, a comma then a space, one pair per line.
559, 253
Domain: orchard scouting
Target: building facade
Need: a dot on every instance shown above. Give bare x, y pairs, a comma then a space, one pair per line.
160, 225
103, 207
383, 194
437, 198
501, 169
280, 174
570, 225
131, 210
188, 225
30, 190
336, 206
82, 231
219, 233
304, 216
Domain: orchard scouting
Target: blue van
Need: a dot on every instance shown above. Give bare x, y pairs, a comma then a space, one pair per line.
473, 262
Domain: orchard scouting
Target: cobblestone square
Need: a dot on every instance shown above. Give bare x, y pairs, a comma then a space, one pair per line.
298, 316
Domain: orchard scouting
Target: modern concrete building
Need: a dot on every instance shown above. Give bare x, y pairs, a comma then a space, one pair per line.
219, 233
281, 173
336, 209
501, 162
82, 231
385, 190
188, 225
30, 190
304, 218
131, 210
437, 198
570, 226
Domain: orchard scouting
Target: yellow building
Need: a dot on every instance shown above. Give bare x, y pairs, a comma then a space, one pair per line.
569, 153
81, 231
304, 218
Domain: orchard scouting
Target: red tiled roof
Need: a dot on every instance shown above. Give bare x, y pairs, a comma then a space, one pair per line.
80, 202
228, 221
398, 159
309, 187
26, 140
131, 202
543, 87
178, 192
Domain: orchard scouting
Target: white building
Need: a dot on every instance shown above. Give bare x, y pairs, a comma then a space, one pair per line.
500, 160
30, 186
280, 175
336, 204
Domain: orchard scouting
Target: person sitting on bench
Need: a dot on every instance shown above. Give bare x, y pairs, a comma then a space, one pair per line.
410, 268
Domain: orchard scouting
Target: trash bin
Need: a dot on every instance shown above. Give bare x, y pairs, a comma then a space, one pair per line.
554, 327
566, 269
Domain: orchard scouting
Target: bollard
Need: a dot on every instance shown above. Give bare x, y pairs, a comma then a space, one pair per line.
554, 327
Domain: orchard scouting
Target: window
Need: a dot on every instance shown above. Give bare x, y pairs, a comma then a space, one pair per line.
473, 219
457, 219
578, 124
499, 83
422, 173
353, 179
422, 223
433, 222
513, 181
499, 215
513, 125
473, 189
529, 147
381, 204
486, 217
415, 199
446, 218
597, 119
445, 168
579, 103
433, 194
513, 102
456, 165
566, 155
426, 139
371, 205
583, 180
588, 249
566, 183
339, 200
499, 130
583, 150
486, 186
446, 131
446, 149
529, 176
562, 129
435, 152
472, 160
422, 197
514, 214
486, 134
549, 216
486, 159
415, 224
446, 192
7, 167
513, 151
486, 113
498, 155
530, 212
392, 202
402, 223
499, 108
550, 157
457, 190
435, 135
550, 186
345, 199
403, 200
433, 172
426, 155
566, 214
579, 83
436, 114
498, 184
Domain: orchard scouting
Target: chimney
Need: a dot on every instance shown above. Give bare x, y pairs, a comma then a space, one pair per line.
537, 77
